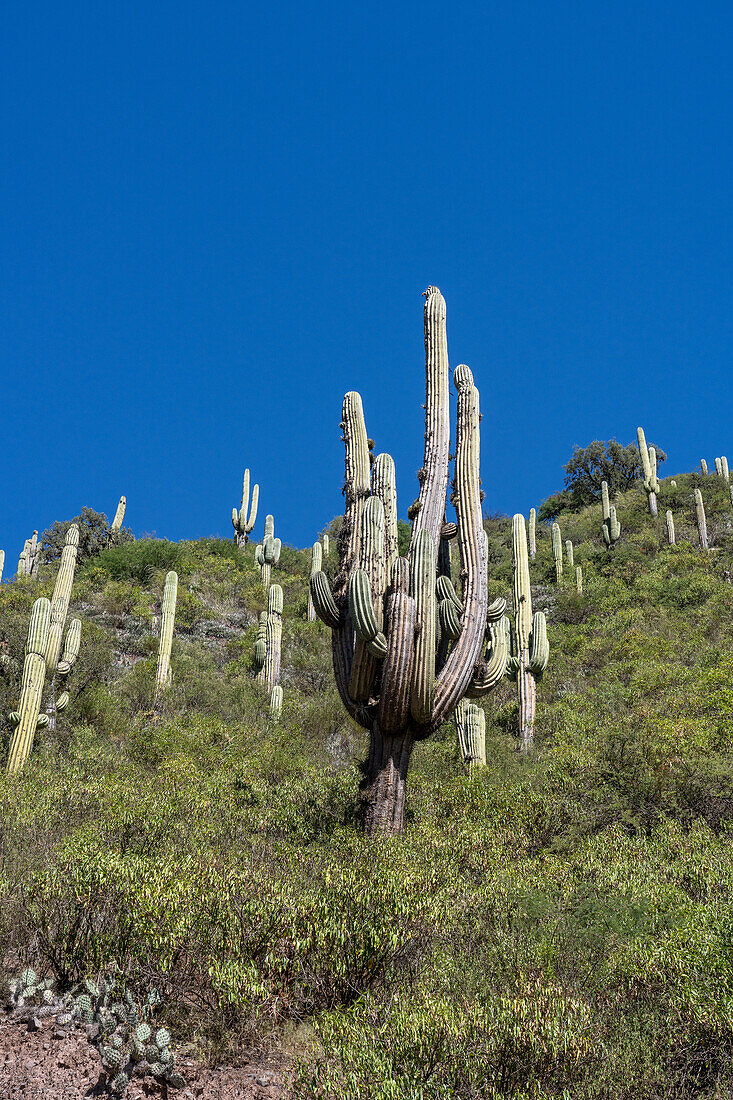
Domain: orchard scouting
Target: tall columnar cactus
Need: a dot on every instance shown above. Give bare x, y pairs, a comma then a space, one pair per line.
261, 641
556, 549
316, 567
530, 649
168, 619
702, 527
611, 525
269, 674
28, 718
579, 580
724, 471
395, 675
2, 564
241, 523
532, 533
703, 467
30, 557
670, 527
326, 545
59, 612
648, 457
276, 703
267, 553
569, 553
718, 467
116, 525
471, 730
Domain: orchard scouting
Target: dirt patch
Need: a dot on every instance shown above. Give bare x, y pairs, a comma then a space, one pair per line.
49, 1064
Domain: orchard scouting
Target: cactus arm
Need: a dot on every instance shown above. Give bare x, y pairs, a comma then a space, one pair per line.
532, 533
394, 700
61, 597
422, 590
491, 671
323, 602
326, 545
383, 486
71, 648
273, 656
434, 474
261, 642
316, 567
34, 675
539, 649
168, 616
371, 572
276, 703
453, 679
648, 457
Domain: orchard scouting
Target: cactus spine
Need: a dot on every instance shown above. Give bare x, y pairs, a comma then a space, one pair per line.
648, 457
611, 525
569, 552
168, 618
471, 730
269, 674
530, 651
579, 580
702, 527
393, 675
28, 718
556, 549
532, 533
670, 527
316, 566
267, 553
241, 523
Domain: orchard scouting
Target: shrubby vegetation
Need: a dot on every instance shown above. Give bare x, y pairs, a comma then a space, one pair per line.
553, 926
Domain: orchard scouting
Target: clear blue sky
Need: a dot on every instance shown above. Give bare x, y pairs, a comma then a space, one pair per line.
217, 218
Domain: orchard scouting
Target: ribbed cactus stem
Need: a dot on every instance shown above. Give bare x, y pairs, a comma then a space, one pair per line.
718, 467
168, 618
241, 522
703, 467
267, 553
702, 527
557, 550
532, 533
471, 729
384, 487
724, 468
273, 657
569, 552
326, 545
30, 557
579, 580
648, 457
611, 525
261, 641
276, 703
430, 508
119, 516
529, 643
59, 612
2, 564
31, 691
670, 527
316, 564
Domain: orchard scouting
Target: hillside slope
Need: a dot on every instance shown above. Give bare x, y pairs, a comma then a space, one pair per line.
555, 925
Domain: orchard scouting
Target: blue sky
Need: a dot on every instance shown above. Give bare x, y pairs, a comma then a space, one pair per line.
217, 218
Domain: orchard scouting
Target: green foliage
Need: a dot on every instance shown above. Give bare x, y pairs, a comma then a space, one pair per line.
94, 536
139, 561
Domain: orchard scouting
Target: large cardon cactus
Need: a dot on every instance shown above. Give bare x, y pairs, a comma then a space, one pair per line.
28, 718
401, 670
529, 647
650, 480
168, 618
241, 522
267, 553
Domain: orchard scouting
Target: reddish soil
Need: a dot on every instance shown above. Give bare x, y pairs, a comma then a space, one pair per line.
36, 1066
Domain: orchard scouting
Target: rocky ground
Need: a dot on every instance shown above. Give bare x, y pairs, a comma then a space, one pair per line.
38, 1065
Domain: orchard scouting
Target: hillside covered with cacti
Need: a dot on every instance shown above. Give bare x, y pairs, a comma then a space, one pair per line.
427, 810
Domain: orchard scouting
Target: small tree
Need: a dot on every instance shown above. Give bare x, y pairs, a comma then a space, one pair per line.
586, 471
94, 535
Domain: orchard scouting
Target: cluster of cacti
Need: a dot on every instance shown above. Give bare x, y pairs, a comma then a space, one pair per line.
30, 557
702, 527
471, 730
400, 669
611, 525
648, 457
556, 549
269, 673
168, 617
267, 553
529, 646
241, 522
43, 650
721, 468
316, 566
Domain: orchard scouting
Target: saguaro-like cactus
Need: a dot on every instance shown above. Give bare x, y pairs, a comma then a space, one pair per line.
569, 552
269, 674
2, 564
579, 580
648, 457
611, 525
261, 641
241, 523
116, 524
702, 527
168, 619
394, 675
703, 467
670, 527
530, 649
59, 612
28, 718
276, 703
718, 467
326, 545
724, 471
532, 533
30, 557
556, 549
471, 730
316, 566
267, 553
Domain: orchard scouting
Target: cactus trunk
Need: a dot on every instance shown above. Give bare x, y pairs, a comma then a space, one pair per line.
385, 792
579, 580
702, 527
270, 674
648, 457
529, 640
163, 672
556, 549
59, 612
670, 528
316, 564
31, 692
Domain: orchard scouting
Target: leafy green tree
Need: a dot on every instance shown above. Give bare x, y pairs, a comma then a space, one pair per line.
588, 466
94, 535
